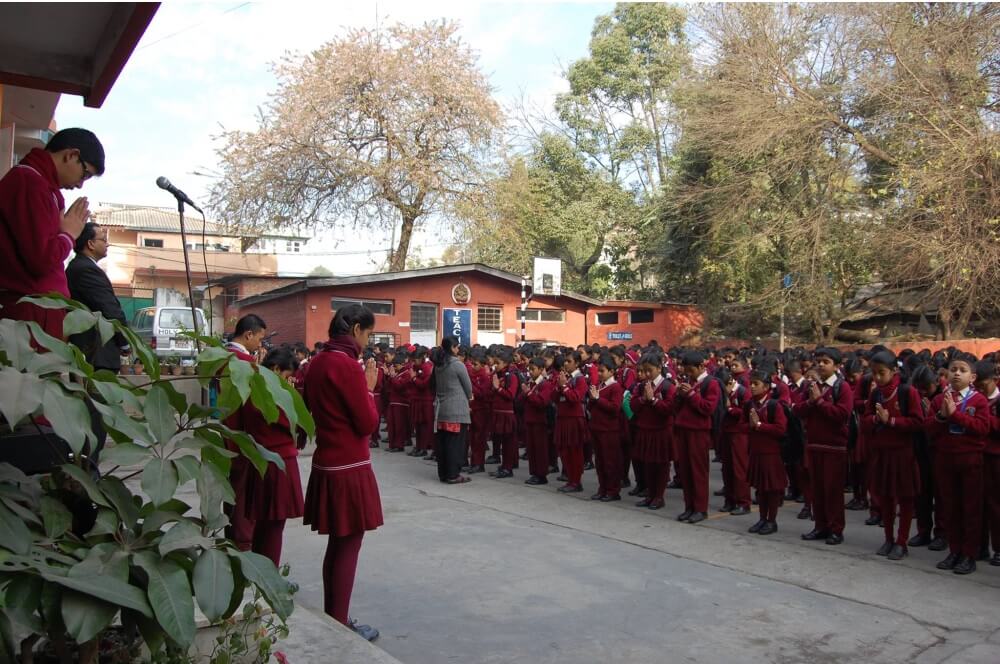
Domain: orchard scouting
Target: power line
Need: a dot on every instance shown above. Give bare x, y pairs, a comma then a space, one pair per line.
192, 27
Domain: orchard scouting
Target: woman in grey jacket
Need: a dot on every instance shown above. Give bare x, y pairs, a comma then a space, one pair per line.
451, 406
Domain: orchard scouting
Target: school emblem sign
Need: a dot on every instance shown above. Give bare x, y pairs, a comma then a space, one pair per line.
460, 294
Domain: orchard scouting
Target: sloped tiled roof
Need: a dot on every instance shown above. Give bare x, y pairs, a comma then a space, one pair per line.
164, 220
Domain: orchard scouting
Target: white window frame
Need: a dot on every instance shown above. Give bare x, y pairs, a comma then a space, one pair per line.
479, 319
354, 300
597, 317
538, 316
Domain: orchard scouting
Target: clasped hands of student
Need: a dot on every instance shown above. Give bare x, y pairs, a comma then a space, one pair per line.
647, 393
754, 419
496, 382
594, 394
371, 373
684, 389
814, 392
881, 413
948, 407
75, 217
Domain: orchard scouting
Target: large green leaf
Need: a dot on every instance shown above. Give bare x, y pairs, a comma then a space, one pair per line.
14, 535
229, 400
20, 394
48, 363
77, 321
305, 418
170, 596
125, 504
87, 482
103, 560
15, 342
49, 342
22, 598
84, 616
262, 398
263, 574
107, 588
8, 647
259, 456
159, 480
106, 523
68, 416
213, 583
104, 329
240, 373
148, 358
115, 418
56, 517
160, 415
188, 467
52, 301
281, 392
114, 393
213, 490
183, 535
126, 454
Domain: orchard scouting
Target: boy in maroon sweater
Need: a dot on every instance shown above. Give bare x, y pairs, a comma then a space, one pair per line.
694, 406
605, 430
36, 236
959, 425
537, 393
986, 384
825, 415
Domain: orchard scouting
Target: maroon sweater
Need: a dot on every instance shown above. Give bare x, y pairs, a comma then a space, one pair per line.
570, 398
32, 248
993, 442
658, 413
337, 395
537, 400
767, 438
504, 395
605, 408
825, 420
898, 432
694, 411
482, 389
968, 428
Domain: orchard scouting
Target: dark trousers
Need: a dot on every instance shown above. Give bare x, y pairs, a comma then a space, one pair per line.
991, 495
450, 452
888, 505
960, 477
608, 452
537, 440
828, 472
734, 450
930, 516
240, 528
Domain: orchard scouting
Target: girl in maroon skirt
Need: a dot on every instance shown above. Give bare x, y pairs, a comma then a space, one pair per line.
342, 500
480, 411
652, 408
766, 424
277, 496
893, 414
422, 403
571, 427
505, 389
398, 417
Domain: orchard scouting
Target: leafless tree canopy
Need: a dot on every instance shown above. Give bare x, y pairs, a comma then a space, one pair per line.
380, 127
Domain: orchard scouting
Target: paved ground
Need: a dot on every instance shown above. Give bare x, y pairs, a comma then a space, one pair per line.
496, 571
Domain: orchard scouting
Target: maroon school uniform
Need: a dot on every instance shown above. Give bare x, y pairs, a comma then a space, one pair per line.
342, 498
504, 423
241, 527
571, 428
693, 439
626, 377
825, 422
959, 443
536, 404
379, 402
766, 472
422, 405
859, 458
991, 476
398, 418
605, 432
652, 444
480, 413
797, 473
780, 390
33, 248
734, 450
893, 475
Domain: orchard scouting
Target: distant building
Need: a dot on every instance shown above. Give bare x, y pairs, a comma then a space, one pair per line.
479, 302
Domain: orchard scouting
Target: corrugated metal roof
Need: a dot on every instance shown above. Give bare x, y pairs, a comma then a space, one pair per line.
164, 220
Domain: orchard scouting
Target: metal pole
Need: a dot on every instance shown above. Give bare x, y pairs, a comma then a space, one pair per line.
187, 273
524, 305
781, 332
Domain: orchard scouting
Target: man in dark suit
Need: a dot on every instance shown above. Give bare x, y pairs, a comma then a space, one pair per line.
90, 285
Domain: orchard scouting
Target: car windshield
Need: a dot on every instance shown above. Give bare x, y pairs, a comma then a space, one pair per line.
178, 319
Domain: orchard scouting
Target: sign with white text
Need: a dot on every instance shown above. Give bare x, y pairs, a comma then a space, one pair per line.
458, 324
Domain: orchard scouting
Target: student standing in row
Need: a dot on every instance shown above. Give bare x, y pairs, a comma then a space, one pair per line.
765, 424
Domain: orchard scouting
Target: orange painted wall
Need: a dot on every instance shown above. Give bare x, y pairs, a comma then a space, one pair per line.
671, 325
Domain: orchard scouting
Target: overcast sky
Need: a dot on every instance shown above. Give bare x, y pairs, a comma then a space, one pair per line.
204, 67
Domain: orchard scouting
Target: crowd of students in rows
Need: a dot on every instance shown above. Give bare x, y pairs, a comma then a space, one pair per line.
913, 435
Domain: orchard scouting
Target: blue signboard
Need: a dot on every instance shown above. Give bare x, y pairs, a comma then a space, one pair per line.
458, 324
619, 336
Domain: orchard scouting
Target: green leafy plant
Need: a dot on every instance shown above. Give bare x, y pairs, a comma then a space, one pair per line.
79, 552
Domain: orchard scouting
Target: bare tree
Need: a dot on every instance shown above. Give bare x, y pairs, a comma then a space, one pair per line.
378, 128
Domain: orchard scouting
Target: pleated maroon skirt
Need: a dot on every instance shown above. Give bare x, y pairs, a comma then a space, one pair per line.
277, 495
421, 412
893, 472
861, 451
570, 432
504, 422
766, 472
651, 445
342, 502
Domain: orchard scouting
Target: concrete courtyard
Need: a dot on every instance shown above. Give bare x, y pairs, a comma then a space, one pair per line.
495, 571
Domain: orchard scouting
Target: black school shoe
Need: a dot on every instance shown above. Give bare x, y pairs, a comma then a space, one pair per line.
475, 469
611, 499
553, 469
950, 562
697, 517
589, 465
739, 511
885, 548
502, 473
834, 539
562, 478
874, 520
938, 544
597, 496
492, 460
685, 515
534, 480
674, 484
755, 528
728, 507
995, 560
769, 528
815, 534
805, 513
898, 552
965, 566
919, 540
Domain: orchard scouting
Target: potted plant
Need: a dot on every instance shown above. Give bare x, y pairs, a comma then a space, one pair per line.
175, 365
81, 553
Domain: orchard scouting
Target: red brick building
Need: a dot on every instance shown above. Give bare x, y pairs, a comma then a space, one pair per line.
419, 306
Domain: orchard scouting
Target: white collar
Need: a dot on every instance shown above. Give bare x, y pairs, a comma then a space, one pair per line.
996, 393
238, 346
964, 393
799, 382
541, 378
658, 380
831, 380
703, 376
93, 259
576, 374
609, 381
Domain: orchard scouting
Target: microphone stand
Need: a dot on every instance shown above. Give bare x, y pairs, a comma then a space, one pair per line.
187, 273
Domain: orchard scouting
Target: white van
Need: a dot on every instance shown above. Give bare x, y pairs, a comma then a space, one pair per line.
160, 326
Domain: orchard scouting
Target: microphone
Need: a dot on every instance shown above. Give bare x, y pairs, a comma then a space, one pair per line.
164, 183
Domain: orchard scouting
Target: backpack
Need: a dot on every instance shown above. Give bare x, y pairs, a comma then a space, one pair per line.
853, 420
793, 443
719, 414
920, 441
